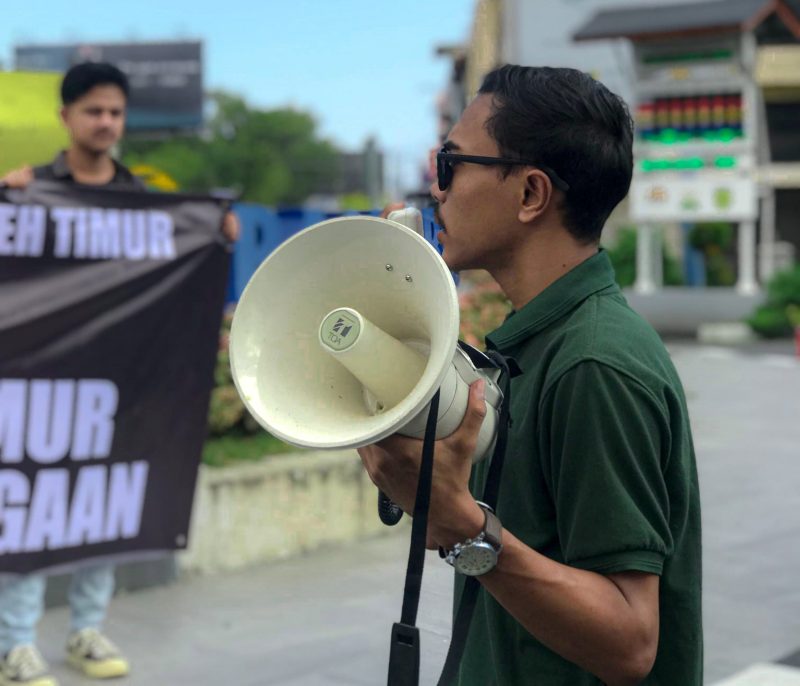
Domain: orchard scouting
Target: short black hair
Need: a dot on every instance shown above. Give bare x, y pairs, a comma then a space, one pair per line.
566, 120
81, 78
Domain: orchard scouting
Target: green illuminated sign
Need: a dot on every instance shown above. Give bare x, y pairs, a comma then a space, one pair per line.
687, 163
725, 162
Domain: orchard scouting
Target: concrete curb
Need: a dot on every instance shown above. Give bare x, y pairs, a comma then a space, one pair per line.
286, 505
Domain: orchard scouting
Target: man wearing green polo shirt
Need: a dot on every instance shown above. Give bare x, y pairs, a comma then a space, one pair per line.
597, 574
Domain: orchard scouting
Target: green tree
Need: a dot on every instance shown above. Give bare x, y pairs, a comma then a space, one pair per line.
274, 157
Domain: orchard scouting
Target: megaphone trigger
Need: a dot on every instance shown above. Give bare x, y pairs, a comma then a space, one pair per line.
388, 512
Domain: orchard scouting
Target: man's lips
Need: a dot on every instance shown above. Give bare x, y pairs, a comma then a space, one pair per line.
437, 217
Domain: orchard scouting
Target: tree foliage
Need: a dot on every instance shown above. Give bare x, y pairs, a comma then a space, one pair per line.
273, 157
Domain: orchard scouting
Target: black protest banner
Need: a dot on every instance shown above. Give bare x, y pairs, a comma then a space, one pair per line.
110, 306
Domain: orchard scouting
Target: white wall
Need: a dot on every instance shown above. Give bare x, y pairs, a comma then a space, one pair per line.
539, 32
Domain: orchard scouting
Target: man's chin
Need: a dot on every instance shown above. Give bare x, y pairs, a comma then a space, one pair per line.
99, 148
452, 264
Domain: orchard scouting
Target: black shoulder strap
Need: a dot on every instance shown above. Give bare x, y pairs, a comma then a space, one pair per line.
469, 594
404, 652
404, 655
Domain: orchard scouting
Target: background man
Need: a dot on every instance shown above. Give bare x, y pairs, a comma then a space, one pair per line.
598, 577
94, 97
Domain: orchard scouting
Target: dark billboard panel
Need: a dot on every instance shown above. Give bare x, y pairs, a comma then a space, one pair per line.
166, 78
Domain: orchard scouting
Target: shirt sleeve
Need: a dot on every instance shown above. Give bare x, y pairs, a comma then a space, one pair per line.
604, 445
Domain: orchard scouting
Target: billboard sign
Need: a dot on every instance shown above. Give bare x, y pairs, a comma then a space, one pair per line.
693, 198
166, 78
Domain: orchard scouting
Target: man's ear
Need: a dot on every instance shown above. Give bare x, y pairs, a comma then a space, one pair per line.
63, 113
537, 192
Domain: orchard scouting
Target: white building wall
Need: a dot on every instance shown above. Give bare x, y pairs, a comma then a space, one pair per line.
539, 33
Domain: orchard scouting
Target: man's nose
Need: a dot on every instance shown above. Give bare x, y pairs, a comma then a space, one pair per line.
436, 194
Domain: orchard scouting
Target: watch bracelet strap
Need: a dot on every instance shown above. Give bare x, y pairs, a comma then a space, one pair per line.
492, 528
469, 594
491, 532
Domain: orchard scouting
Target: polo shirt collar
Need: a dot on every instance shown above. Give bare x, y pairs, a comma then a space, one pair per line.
61, 170
590, 276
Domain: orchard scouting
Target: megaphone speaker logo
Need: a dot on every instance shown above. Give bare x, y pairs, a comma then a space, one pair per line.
336, 328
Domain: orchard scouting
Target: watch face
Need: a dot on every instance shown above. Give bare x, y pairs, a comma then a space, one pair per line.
476, 559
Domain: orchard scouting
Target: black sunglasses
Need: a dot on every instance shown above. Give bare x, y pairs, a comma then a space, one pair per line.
445, 162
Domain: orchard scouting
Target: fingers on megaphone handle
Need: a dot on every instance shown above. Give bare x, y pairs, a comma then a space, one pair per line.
477, 392
389, 513
466, 436
391, 207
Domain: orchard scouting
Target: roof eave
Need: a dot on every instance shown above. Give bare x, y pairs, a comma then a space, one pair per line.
658, 35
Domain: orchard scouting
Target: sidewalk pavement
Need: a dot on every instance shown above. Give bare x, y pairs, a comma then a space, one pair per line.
318, 620
325, 619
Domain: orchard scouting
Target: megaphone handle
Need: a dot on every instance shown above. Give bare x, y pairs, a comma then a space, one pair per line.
389, 512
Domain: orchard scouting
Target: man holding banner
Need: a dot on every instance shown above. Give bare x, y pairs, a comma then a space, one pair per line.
105, 371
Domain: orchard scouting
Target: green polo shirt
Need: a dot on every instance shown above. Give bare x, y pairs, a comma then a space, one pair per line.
599, 474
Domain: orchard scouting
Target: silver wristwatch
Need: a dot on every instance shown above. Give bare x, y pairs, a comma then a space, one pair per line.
477, 556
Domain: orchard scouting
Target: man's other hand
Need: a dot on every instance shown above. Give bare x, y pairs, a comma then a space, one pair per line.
18, 178
391, 207
231, 227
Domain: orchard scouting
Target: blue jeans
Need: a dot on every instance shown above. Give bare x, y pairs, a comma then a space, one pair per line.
22, 603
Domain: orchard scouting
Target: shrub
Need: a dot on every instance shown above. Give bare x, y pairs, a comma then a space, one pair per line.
711, 236
483, 307
226, 411
714, 239
769, 322
780, 313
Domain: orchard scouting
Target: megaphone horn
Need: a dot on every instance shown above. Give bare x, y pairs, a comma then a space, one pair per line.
345, 332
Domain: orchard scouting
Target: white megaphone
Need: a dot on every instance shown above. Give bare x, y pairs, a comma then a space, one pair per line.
344, 334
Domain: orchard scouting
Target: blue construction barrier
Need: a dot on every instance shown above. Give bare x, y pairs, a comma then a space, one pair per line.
263, 229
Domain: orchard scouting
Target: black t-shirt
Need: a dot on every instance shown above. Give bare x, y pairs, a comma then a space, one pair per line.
58, 170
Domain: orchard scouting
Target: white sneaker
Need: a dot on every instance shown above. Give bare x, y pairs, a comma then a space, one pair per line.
95, 655
25, 666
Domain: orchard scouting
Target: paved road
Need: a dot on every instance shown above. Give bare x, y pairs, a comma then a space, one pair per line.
324, 620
